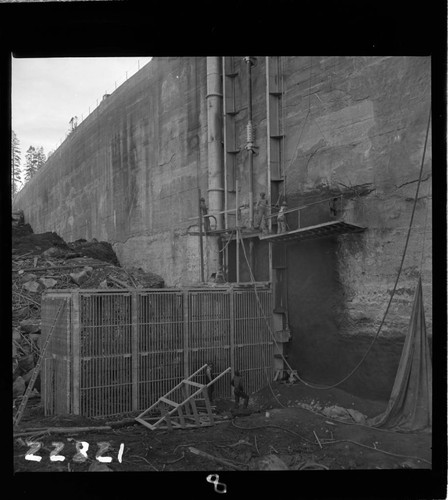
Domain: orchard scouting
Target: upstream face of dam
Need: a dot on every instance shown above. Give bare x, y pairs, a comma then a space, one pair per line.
351, 127
129, 174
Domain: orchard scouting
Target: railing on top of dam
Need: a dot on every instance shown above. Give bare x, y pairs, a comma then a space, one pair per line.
117, 83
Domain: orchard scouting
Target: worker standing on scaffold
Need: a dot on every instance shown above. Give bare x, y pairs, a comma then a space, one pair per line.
205, 218
281, 219
260, 220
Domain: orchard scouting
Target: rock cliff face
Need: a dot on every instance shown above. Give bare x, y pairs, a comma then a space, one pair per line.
359, 132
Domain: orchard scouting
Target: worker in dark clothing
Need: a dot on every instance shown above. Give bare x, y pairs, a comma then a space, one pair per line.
260, 219
209, 376
204, 211
238, 390
281, 219
333, 207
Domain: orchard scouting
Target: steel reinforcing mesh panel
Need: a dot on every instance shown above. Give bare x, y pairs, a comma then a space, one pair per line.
105, 353
117, 352
253, 344
209, 335
160, 345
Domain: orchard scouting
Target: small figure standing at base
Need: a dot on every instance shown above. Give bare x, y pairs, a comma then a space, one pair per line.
281, 219
205, 218
237, 384
209, 376
219, 277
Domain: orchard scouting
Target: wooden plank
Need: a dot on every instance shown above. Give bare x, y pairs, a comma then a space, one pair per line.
207, 405
166, 418
168, 401
195, 411
196, 384
51, 268
181, 416
187, 408
146, 424
189, 418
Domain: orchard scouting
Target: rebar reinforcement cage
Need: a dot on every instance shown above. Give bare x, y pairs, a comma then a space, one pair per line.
117, 351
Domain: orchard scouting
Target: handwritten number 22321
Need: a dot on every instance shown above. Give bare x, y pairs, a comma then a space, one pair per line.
81, 451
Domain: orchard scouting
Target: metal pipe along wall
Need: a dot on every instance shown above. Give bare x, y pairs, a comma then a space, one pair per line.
214, 139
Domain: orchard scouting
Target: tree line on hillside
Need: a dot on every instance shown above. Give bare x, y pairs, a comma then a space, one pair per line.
34, 159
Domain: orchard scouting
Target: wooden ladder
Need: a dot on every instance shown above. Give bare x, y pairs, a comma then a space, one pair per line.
184, 414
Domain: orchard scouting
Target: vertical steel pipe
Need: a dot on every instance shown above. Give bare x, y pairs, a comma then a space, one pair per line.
201, 243
250, 140
214, 139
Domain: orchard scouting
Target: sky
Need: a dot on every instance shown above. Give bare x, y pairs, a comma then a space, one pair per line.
48, 92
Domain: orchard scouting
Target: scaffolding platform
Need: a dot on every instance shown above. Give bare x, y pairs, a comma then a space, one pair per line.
333, 228
212, 232
245, 233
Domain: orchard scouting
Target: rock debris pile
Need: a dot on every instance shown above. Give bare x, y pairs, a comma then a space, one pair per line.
41, 262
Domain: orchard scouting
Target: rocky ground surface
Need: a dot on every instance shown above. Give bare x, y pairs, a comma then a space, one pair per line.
43, 262
287, 426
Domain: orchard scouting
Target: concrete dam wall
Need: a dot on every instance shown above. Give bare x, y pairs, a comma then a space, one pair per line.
352, 127
130, 172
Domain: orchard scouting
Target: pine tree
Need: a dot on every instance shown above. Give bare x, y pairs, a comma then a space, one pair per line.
35, 159
31, 163
40, 157
15, 163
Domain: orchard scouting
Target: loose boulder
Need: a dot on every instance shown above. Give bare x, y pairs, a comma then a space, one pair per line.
357, 416
48, 282
31, 286
82, 276
336, 412
30, 326
18, 387
53, 252
26, 363
27, 277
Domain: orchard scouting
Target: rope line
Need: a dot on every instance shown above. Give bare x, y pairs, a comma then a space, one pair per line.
260, 305
424, 231
266, 321
315, 386
228, 242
